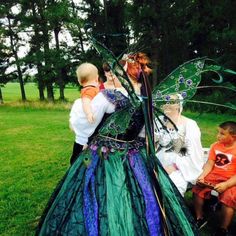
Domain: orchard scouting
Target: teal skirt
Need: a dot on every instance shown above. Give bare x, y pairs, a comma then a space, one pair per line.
110, 190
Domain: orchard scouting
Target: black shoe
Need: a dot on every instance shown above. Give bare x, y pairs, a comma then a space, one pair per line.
220, 232
201, 222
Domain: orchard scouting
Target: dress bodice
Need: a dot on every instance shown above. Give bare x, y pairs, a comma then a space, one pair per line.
171, 139
166, 138
127, 122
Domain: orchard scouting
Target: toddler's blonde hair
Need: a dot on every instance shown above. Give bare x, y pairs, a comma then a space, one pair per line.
86, 72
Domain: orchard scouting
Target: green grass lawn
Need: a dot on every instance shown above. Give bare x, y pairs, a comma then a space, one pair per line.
11, 92
35, 151
35, 148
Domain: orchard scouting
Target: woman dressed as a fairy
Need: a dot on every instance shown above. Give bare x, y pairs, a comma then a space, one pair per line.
117, 186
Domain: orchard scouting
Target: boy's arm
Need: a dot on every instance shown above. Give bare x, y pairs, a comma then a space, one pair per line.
221, 187
232, 181
206, 170
86, 103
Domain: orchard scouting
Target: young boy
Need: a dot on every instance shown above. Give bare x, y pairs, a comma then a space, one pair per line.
87, 75
220, 174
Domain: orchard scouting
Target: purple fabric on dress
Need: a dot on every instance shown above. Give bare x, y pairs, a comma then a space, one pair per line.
153, 215
90, 205
116, 97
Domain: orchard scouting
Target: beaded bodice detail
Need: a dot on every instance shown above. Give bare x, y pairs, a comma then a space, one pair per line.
127, 122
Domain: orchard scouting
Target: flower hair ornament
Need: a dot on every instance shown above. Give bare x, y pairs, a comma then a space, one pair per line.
135, 63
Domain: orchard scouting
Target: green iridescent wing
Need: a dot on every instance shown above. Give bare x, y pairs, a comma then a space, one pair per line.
119, 121
185, 80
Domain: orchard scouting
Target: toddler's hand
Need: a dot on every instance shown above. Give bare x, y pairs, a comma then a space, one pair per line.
91, 118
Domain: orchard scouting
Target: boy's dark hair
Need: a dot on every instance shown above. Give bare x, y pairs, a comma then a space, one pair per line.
229, 125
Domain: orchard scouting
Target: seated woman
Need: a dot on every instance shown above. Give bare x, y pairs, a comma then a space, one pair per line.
179, 146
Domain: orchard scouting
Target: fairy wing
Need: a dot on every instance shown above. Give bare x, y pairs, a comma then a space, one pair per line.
115, 66
119, 121
186, 78
183, 80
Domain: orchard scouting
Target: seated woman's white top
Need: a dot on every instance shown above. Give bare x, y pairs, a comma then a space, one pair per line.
189, 164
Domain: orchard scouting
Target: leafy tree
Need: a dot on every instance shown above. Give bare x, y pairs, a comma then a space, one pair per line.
30, 19
175, 31
10, 30
3, 65
58, 15
170, 32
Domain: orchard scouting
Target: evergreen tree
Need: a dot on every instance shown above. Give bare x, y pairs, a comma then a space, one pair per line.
12, 32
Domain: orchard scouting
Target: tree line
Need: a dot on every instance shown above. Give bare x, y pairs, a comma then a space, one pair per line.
51, 35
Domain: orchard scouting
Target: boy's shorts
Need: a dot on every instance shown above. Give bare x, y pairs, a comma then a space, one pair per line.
228, 197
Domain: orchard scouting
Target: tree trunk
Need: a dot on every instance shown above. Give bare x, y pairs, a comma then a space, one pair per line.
81, 40
50, 94
40, 82
47, 60
23, 96
1, 98
59, 71
39, 64
16, 60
